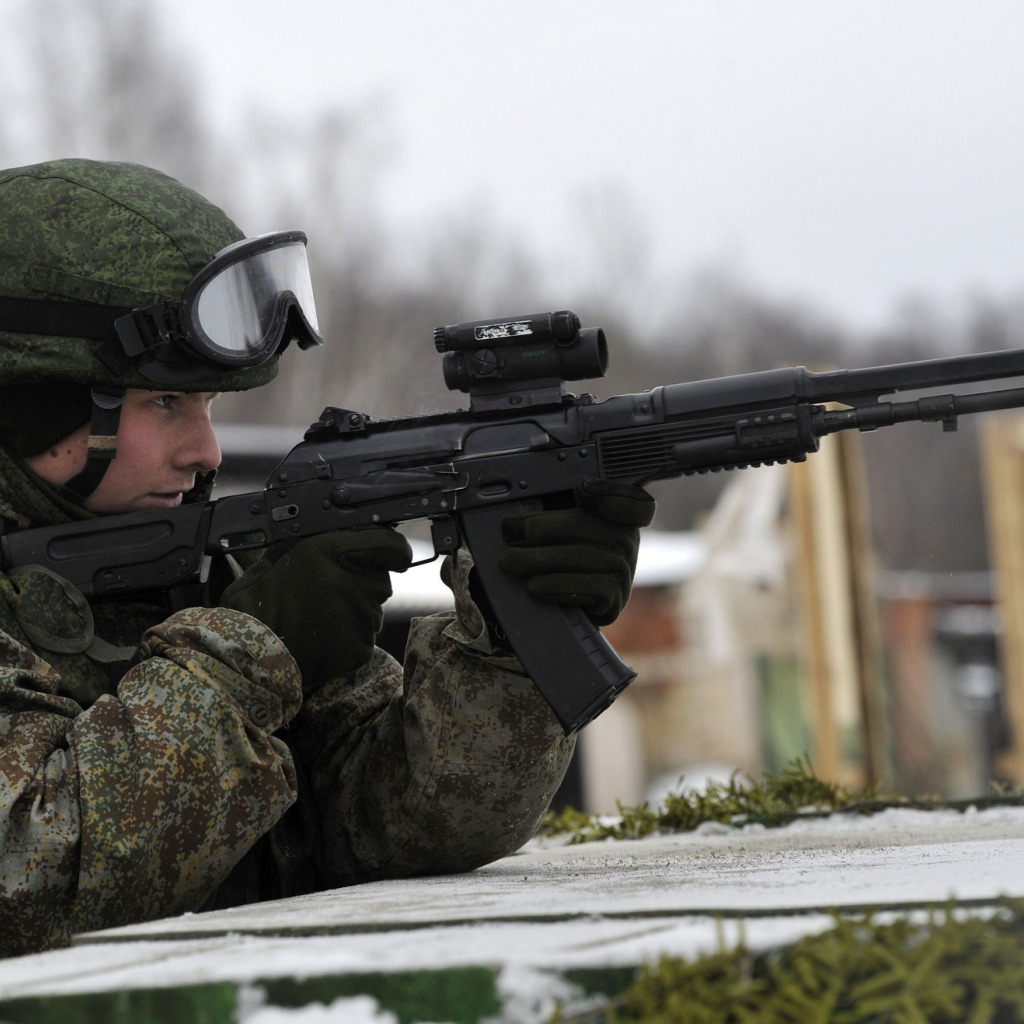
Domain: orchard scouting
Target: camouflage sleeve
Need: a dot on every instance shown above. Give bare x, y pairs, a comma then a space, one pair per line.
139, 805
440, 768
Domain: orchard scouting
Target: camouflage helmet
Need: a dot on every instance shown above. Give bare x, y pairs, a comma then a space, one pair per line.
109, 234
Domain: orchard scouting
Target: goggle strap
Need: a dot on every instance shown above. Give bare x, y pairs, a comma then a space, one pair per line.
59, 319
141, 330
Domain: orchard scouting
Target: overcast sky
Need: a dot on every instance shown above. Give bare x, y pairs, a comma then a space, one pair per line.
845, 152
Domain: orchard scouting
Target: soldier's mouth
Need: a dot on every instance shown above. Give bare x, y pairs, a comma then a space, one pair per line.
170, 499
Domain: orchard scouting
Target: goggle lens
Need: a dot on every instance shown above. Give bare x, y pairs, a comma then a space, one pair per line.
239, 311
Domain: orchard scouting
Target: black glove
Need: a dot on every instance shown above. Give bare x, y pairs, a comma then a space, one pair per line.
583, 556
323, 596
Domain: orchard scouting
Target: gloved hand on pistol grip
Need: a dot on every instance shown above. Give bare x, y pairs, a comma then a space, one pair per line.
324, 596
583, 556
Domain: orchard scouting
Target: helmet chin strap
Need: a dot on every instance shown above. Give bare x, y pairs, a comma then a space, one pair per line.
106, 417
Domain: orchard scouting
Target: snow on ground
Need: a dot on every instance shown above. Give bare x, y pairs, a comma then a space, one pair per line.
354, 1010
554, 906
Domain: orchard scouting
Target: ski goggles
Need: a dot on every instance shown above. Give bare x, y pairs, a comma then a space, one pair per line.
239, 310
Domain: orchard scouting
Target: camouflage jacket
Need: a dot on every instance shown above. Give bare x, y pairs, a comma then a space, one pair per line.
193, 776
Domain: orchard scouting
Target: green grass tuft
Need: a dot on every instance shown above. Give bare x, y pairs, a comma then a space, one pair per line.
771, 801
950, 969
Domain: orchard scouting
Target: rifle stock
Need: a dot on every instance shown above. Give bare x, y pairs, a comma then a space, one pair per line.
524, 440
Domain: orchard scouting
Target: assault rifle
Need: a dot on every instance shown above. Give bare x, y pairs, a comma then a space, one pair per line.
524, 443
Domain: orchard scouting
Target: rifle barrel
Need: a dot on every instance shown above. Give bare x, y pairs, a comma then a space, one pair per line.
871, 381
944, 409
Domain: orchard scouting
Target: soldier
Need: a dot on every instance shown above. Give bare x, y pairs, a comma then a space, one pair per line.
155, 761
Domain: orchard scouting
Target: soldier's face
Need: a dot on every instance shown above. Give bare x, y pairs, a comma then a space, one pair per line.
164, 439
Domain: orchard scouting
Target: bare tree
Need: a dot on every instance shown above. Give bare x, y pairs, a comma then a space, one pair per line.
97, 79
